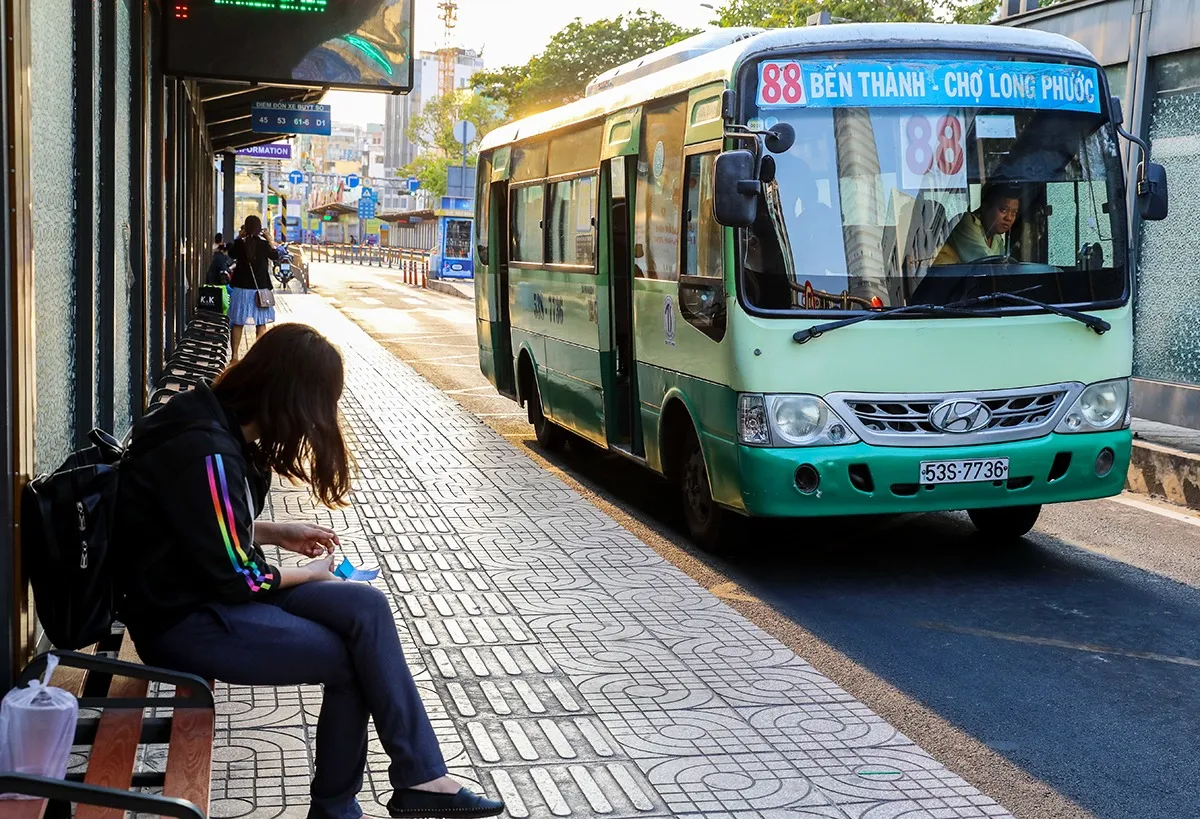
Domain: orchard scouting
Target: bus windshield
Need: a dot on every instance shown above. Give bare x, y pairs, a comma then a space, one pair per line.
884, 205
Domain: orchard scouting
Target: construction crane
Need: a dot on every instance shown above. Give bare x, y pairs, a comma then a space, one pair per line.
447, 56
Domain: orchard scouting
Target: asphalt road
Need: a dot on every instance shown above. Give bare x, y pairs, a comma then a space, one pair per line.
1061, 677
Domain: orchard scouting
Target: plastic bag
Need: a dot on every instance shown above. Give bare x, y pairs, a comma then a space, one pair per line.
37, 728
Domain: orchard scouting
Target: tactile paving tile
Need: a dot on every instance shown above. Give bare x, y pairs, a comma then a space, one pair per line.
566, 667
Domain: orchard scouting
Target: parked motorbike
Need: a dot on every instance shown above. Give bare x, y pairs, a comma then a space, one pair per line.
290, 271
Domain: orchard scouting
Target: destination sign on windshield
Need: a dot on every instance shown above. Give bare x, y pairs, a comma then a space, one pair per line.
856, 84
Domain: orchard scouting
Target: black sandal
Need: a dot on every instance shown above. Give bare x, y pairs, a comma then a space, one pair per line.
407, 803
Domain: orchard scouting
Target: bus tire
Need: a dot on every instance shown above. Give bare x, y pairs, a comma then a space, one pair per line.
705, 519
550, 436
1005, 523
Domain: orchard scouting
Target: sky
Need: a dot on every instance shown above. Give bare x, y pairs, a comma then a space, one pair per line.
508, 33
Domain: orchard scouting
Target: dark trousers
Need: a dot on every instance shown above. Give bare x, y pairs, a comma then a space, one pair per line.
337, 634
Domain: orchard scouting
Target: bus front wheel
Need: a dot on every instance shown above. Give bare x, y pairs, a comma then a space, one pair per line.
549, 436
704, 518
1005, 522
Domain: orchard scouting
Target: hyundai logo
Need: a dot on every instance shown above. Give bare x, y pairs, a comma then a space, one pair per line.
960, 416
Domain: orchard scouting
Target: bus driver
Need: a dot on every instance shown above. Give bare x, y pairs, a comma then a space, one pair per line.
983, 233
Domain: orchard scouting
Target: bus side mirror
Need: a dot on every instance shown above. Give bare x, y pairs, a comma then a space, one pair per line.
736, 188
1152, 191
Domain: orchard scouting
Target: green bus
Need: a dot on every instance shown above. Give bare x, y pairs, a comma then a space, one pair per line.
836, 270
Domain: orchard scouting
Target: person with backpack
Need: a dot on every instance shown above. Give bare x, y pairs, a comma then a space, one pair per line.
197, 594
252, 295
218, 268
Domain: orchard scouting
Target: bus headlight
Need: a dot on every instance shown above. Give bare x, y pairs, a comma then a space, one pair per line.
1100, 407
790, 420
798, 419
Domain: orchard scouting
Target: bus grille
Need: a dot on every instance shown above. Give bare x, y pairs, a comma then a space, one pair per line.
904, 420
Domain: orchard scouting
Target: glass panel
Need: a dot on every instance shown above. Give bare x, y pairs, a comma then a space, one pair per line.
98, 118
703, 254
578, 151
53, 187
458, 239
527, 224
1167, 342
886, 206
124, 282
529, 162
572, 210
1117, 75
660, 192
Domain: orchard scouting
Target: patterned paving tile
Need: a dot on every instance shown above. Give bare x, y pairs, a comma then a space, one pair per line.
566, 666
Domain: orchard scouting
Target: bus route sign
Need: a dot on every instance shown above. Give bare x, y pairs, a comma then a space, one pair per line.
291, 118
975, 83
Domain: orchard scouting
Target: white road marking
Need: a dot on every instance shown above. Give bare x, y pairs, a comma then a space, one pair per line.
1182, 516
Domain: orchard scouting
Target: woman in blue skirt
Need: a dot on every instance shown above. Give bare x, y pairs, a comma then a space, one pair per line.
253, 254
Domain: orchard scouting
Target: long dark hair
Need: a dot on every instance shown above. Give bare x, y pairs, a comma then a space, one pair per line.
289, 385
253, 229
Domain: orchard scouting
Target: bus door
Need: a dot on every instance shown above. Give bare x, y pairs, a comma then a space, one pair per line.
506, 381
621, 402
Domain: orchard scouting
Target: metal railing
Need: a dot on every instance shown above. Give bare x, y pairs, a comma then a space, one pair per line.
414, 264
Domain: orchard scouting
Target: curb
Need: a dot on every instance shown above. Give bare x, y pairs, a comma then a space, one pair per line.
1165, 473
448, 289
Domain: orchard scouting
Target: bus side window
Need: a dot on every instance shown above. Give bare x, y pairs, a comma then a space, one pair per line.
527, 221
659, 201
702, 287
571, 229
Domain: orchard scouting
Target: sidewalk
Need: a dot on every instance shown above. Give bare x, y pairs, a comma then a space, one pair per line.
567, 667
454, 287
1166, 463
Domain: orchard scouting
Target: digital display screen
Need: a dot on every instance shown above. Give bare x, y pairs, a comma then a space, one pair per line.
362, 45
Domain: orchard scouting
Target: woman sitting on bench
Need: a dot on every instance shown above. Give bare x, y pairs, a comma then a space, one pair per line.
199, 595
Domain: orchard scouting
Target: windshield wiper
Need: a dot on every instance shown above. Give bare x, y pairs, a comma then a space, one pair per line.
818, 330
1095, 323
959, 308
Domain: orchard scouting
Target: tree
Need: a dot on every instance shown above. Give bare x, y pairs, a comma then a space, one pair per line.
573, 57
784, 13
433, 131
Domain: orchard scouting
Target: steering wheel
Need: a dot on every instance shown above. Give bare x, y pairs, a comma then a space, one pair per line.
1003, 258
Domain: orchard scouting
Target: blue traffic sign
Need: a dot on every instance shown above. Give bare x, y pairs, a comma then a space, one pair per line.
414, 184
368, 193
296, 178
352, 180
291, 118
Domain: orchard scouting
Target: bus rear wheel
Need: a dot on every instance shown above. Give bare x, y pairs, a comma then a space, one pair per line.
1005, 522
705, 519
550, 437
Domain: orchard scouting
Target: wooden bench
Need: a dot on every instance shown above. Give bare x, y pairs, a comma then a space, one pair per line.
119, 689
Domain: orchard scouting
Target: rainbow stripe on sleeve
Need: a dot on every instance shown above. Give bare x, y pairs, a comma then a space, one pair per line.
227, 523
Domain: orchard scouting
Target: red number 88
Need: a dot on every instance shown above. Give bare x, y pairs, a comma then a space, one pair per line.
781, 83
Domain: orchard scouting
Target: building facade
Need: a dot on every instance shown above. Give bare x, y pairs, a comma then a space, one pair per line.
399, 150
1151, 54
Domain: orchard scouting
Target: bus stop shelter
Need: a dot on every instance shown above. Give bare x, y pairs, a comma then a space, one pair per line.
114, 143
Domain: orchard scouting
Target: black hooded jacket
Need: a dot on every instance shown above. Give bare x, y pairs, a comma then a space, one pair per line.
185, 518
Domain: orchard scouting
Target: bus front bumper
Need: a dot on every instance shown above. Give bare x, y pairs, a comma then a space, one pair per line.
862, 479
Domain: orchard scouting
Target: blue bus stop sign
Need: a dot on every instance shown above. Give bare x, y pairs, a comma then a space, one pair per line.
352, 180
296, 178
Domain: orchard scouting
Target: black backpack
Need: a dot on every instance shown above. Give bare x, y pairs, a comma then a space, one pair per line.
67, 524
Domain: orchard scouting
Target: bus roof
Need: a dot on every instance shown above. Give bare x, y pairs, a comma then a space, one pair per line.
719, 65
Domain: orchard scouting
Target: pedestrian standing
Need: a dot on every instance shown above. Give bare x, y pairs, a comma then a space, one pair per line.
252, 296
